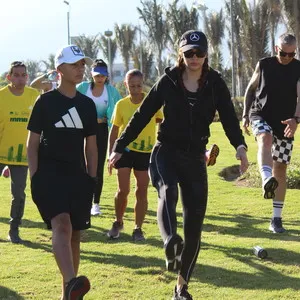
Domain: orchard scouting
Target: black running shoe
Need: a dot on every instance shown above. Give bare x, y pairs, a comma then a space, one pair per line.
77, 288
276, 225
138, 235
183, 294
269, 187
173, 250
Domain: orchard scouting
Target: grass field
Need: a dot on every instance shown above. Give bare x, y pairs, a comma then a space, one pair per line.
237, 219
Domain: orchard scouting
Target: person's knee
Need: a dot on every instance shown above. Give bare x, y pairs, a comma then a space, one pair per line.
265, 140
76, 236
122, 193
61, 224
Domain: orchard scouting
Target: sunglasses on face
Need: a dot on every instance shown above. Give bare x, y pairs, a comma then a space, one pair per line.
284, 54
192, 52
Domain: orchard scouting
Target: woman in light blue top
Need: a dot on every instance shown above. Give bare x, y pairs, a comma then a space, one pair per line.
105, 97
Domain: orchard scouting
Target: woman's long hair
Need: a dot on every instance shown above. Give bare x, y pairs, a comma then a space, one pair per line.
98, 63
205, 68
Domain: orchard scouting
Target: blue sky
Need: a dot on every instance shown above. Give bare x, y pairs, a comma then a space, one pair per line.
32, 29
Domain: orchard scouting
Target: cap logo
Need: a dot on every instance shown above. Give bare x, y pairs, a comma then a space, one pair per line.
76, 51
194, 37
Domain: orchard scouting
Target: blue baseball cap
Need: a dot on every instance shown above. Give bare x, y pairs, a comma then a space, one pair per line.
99, 70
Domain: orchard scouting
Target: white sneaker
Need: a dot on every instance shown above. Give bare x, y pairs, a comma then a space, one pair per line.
95, 211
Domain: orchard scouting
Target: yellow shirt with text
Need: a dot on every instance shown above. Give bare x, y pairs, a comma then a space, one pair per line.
123, 112
14, 117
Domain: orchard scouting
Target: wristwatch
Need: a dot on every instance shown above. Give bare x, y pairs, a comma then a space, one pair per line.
297, 119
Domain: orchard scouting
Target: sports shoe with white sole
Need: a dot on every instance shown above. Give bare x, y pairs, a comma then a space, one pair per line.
114, 232
173, 250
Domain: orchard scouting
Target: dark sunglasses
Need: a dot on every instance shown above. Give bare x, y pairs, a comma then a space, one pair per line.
192, 52
284, 54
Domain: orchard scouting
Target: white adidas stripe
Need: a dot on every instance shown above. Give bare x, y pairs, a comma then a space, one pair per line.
70, 120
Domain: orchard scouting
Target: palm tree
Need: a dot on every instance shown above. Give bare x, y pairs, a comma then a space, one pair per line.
214, 27
49, 64
251, 33
147, 58
125, 35
157, 28
33, 68
275, 18
291, 16
104, 48
180, 20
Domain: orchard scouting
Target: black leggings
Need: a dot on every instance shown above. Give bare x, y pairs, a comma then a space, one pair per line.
102, 140
168, 168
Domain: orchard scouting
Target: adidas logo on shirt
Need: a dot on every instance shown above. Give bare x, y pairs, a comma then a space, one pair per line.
70, 120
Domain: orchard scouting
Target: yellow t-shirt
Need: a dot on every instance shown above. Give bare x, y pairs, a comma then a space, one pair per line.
123, 112
14, 117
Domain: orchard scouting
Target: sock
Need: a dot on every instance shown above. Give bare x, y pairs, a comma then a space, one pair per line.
277, 208
265, 172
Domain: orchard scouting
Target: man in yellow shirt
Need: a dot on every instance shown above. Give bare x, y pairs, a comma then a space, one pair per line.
16, 102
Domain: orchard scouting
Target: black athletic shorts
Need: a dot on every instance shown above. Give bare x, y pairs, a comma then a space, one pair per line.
138, 161
56, 192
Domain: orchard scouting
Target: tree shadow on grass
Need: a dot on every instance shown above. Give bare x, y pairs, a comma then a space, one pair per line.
246, 226
8, 294
264, 278
142, 265
25, 223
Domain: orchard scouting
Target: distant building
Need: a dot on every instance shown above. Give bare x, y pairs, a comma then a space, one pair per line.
119, 71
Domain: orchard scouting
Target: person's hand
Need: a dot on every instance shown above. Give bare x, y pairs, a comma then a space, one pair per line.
245, 125
290, 128
241, 155
113, 158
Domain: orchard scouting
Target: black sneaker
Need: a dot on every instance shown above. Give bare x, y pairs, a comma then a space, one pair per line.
77, 287
276, 225
138, 235
183, 294
269, 187
114, 232
13, 236
173, 251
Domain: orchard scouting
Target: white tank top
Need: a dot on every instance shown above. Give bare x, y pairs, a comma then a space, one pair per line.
101, 102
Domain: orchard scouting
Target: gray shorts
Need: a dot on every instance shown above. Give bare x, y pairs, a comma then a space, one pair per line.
281, 149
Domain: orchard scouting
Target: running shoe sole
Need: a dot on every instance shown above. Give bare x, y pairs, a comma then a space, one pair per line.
173, 251
77, 288
213, 154
269, 188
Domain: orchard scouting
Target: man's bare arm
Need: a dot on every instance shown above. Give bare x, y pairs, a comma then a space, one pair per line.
250, 91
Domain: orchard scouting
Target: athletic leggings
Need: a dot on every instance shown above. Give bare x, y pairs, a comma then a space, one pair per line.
102, 140
168, 168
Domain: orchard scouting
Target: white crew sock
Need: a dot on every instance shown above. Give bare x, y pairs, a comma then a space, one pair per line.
277, 208
265, 172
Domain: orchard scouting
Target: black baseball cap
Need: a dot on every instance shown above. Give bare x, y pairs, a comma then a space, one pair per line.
193, 39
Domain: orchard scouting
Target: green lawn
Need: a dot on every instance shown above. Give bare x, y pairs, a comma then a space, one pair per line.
237, 219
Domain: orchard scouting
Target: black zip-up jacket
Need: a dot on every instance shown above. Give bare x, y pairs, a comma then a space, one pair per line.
185, 126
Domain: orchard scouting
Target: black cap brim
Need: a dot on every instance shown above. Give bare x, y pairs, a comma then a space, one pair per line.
189, 47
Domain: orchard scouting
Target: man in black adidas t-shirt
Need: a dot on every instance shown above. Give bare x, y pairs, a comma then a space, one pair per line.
62, 156
272, 109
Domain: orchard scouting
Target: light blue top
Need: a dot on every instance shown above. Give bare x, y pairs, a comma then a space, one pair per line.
113, 97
